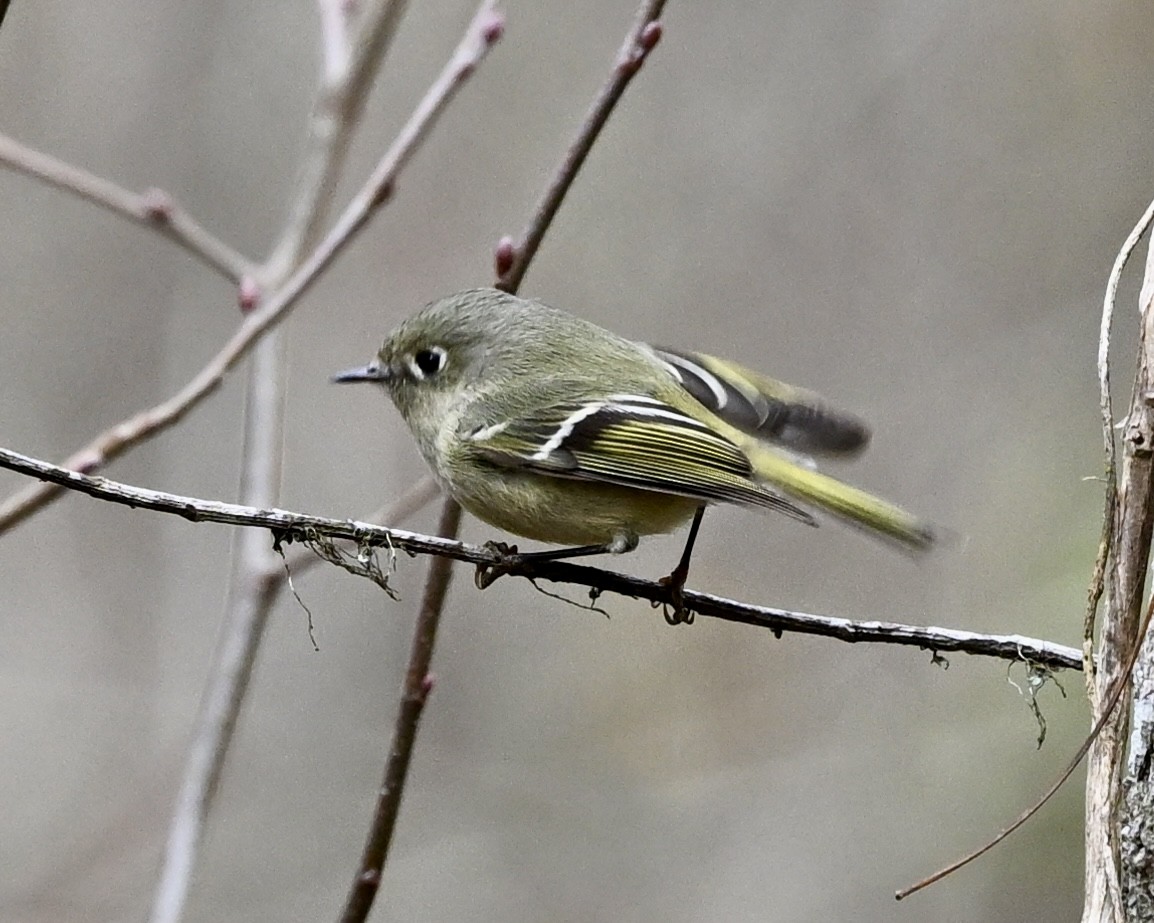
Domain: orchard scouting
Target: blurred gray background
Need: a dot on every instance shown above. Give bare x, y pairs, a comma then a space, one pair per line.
910, 207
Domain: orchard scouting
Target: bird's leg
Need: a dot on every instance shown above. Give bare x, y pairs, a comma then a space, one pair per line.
511, 558
680, 615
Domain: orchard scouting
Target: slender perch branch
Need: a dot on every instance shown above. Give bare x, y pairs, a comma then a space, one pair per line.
288, 525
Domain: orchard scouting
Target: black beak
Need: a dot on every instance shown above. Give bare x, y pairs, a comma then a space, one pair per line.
374, 371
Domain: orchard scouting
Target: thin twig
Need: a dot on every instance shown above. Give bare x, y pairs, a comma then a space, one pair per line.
250, 596
336, 112
136, 429
253, 584
204, 762
418, 684
288, 526
512, 264
641, 40
153, 209
335, 46
1111, 701
224, 693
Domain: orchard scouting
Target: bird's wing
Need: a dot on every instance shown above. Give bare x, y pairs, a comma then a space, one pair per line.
631, 441
772, 410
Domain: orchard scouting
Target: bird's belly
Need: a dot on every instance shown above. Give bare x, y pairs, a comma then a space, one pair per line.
565, 511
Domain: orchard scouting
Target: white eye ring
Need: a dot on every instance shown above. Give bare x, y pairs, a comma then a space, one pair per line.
425, 363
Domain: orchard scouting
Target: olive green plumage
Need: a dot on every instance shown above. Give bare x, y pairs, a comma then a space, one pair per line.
555, 429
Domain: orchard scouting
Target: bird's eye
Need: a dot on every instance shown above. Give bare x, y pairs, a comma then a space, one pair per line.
427, 362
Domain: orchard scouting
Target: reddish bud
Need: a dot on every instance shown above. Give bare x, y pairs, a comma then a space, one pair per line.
504, 255
158, 206
248, 294
384, 194
650, 36
493, 28
428, 683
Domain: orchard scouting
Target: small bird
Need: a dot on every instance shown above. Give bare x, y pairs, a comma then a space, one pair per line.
555, 429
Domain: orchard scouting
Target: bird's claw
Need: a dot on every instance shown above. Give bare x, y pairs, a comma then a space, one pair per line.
674, 609
487, 574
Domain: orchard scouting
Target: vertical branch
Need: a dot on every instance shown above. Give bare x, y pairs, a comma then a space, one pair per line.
415, 692
512, 262
349, 67
334, 23
1137, 820
1132, 526
256, 575
204, 762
